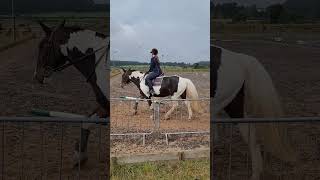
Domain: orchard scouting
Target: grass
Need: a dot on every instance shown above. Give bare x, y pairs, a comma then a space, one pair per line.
186, 170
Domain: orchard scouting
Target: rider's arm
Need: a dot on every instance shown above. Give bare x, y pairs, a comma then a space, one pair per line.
152, 64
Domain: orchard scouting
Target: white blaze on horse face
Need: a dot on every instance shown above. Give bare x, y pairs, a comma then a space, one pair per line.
83, 40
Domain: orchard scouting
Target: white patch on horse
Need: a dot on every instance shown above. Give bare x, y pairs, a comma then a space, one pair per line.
83, 40
136, 74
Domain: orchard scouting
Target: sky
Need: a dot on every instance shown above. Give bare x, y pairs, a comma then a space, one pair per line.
179, 29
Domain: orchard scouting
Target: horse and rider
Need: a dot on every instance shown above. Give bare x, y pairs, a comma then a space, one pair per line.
154, 70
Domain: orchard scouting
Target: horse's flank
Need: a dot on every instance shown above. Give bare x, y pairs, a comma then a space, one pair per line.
261, 99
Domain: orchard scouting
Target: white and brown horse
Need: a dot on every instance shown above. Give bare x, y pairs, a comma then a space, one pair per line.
240, 88
88, 52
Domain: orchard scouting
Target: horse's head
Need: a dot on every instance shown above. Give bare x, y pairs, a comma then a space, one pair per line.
126, 77
50, 55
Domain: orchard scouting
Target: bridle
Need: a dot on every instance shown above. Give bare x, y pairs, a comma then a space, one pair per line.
77, 60
83, 58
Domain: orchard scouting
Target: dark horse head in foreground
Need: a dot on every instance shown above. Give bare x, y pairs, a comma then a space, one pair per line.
87, 51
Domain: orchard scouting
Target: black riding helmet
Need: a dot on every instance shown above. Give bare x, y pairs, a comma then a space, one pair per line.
154, 51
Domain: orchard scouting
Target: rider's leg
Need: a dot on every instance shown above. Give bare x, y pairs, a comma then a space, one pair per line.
149, 79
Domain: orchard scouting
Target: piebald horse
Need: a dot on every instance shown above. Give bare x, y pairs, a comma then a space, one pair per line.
241, 87
175, 87
87, 51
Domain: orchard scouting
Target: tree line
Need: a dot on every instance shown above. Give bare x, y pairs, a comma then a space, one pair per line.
44, 6
291, 11
200, 64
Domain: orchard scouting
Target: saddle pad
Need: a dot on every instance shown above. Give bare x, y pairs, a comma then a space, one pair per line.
157, 81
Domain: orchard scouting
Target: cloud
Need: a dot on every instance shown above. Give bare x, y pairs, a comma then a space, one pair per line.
180, 29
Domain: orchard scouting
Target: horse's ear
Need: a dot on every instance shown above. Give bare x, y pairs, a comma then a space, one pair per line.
45, 28
123, 70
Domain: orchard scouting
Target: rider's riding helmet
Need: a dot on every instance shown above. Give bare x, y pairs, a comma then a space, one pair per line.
154, 51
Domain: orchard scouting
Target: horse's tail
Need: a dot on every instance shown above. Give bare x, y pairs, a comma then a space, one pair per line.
259, 90
192, 94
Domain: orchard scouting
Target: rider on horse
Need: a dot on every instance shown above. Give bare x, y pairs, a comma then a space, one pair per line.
154, 70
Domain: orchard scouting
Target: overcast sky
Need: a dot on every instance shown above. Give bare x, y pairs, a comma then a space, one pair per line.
180, 29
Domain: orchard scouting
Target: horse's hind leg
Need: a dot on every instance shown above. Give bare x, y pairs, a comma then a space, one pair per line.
249, 135
188, 104
175, 104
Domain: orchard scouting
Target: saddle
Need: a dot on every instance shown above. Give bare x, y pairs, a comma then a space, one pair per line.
158, 80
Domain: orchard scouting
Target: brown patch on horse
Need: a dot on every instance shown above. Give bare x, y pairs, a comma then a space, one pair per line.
215, 54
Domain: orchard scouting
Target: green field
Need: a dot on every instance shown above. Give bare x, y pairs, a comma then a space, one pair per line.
184, 170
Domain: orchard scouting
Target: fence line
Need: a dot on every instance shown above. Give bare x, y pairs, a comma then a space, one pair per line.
237, 160
133, 117
26, 155
265, 120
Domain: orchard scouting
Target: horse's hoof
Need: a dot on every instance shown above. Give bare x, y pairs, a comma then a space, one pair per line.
81, 158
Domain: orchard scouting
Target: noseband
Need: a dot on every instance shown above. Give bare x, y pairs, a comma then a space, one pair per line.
75, 61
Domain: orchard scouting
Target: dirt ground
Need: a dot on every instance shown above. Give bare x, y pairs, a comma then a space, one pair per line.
295, 72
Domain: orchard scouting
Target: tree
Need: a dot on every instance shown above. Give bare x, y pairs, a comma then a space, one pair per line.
276, 13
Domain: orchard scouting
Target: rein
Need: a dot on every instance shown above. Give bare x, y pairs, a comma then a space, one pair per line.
60, 68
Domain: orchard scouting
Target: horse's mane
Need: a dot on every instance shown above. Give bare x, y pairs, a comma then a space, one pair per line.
75, 28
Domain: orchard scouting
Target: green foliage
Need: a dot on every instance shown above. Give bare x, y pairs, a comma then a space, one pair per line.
36, 6
276, 13
164, 65
292, 11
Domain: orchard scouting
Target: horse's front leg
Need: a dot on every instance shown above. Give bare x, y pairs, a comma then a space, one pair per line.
150, 106
81, 146
249, 134
136, 103
135, 107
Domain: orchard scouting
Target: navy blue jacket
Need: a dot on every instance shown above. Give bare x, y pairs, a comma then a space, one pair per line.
155, 66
